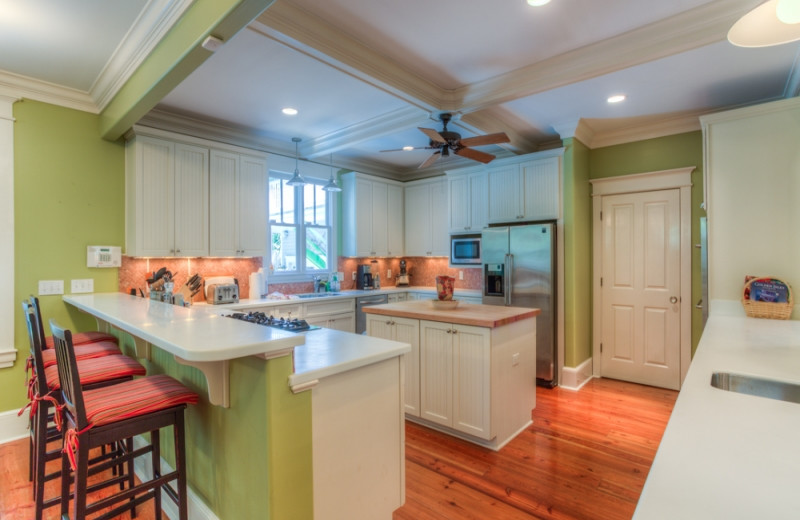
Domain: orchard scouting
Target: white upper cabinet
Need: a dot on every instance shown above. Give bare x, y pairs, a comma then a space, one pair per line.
238, 204
529, 190
372, 211
426, 218
166, 190
468, 202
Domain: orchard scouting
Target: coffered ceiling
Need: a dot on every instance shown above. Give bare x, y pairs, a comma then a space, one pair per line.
364, 74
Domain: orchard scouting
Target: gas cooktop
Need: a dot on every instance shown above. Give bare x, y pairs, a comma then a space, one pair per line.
260, 318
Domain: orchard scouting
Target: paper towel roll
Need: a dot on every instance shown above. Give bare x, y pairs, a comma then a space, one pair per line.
256, 285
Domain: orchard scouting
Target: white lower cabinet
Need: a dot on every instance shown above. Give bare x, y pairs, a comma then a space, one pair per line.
398, 297
454, 377
404, 330
332, 314
346, 322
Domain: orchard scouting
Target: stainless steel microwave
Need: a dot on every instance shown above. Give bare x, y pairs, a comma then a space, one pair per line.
465, 250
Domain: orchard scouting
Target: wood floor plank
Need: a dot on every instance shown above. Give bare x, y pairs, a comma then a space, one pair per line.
586, 456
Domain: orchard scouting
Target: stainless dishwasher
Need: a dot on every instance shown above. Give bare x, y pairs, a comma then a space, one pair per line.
366, 301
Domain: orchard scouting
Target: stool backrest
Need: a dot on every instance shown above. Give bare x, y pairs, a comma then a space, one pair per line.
72, 395
36, 340
40, 327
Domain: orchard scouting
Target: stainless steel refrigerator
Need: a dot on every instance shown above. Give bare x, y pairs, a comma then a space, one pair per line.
519, 270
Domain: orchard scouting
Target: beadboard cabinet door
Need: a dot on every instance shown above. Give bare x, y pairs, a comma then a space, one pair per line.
404, 330
426, 218
191, 200
372, 211
526, 191
238, 206
469, 199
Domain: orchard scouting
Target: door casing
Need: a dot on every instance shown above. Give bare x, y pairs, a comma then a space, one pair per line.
678, 178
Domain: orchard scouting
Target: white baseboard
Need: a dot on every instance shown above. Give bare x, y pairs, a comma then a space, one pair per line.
13, 426
198, 510
575, 378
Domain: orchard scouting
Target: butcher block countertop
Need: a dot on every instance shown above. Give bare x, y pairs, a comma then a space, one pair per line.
490, 316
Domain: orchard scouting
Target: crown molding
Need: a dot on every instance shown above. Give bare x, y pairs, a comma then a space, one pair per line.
670, 125
307, 33
733, 114
19, 86
691, 29
153, 23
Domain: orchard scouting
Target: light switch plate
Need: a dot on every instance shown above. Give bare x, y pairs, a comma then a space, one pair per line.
82, 286
50, 287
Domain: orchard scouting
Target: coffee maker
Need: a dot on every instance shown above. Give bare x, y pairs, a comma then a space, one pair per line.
364, 277
402, 278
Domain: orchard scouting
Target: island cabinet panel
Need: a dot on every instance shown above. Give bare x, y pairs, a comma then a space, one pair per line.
403, 330
436, 372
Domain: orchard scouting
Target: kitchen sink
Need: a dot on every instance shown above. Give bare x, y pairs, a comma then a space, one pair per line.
751, 385
319, 295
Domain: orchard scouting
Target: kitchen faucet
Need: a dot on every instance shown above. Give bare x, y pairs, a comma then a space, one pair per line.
317, 281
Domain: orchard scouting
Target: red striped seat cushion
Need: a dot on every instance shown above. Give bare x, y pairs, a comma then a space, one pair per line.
87, 351
134, 398
81, 338
96, 370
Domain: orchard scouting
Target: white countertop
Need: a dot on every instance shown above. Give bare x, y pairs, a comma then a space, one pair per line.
327, 352
196, 333
725, 454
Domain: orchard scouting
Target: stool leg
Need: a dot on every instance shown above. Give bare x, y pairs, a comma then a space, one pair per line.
81, 481
40, 456
131, 475
180, 465
155, 440
65, 485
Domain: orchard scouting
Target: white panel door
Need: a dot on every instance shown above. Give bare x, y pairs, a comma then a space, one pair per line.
395, 220
641, 288
471, 367
191, 200
436, 372
407, 331
222, 206
252, 206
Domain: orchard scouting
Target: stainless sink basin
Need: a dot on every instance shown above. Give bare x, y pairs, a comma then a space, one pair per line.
319, 295
771, 388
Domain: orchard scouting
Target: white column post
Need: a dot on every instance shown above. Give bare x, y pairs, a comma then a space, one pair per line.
8, 353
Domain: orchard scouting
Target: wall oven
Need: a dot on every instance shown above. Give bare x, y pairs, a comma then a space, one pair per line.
465, 250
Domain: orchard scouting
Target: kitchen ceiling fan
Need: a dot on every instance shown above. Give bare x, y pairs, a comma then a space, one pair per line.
445, 141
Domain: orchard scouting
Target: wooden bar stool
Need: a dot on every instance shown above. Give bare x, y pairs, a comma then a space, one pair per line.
79, 338
112, 414
43, 395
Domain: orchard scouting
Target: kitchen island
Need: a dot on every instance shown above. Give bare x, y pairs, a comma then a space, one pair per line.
471, 370
725, 454
311, 426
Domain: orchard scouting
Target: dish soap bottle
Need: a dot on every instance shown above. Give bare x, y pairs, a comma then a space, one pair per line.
334, 283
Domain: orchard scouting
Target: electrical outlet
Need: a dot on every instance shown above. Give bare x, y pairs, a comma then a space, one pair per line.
354, 276
515, 359
388, 273
461, 275
49, 287
82, 286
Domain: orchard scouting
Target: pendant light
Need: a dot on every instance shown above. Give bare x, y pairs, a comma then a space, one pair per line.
331, 186
771, 23
296, 179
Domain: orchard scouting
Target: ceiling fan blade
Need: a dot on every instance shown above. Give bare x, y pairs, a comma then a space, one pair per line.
430, 160
475, 155
433, 135
479, 140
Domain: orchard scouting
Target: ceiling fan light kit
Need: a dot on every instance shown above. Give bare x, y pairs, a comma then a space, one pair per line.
296, 179
445, 141
762, 26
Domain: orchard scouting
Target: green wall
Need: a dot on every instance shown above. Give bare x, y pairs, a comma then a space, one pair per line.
663, 153
252, 460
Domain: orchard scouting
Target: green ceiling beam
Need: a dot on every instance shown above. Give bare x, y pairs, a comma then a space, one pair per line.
174, 58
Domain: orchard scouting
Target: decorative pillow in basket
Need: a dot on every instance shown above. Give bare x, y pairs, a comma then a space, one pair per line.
767, 298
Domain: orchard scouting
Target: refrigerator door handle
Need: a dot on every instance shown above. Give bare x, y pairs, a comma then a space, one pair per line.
509, 282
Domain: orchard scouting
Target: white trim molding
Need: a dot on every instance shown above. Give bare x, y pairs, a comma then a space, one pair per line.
573, 378
13, 426
8, 353
680, 179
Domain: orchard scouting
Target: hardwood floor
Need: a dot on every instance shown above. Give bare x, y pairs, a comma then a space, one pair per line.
586, 456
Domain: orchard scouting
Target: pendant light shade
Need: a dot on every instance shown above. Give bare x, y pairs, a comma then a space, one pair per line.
331, 186
763, 27
296, 179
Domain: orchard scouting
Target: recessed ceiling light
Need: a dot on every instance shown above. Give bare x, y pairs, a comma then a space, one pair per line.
537, 3
289, 111
408, 148
616, 98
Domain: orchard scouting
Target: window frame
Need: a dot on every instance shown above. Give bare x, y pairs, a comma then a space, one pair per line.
301, 274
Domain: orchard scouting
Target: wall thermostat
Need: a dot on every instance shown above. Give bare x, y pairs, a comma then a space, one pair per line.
103, 256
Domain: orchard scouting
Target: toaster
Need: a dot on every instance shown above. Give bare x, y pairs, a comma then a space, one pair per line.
222, 293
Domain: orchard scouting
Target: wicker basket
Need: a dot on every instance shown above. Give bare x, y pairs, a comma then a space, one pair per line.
773, 311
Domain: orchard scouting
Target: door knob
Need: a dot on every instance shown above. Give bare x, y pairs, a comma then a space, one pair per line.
674, 299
